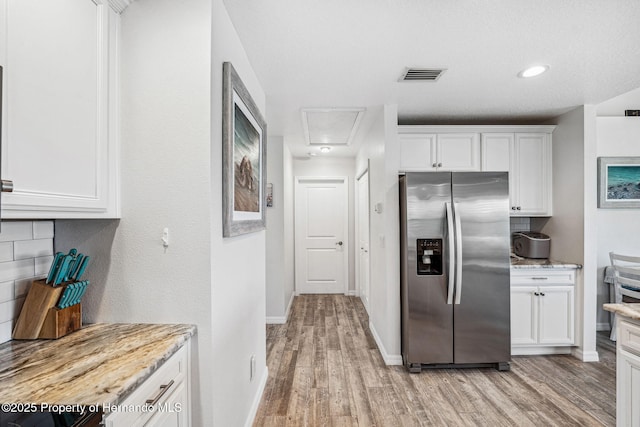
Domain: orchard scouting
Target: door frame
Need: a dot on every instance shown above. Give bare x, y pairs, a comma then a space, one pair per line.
357, 233
345, 240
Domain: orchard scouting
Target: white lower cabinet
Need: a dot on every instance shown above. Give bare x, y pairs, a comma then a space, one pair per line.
542, 311
162, 400
628, 373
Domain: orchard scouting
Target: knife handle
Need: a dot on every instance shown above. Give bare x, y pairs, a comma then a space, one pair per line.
55, 265
82, 268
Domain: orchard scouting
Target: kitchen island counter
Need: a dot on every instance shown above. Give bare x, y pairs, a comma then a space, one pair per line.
100, 364
625, 309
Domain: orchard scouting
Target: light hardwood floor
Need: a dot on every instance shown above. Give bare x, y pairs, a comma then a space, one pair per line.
325, 370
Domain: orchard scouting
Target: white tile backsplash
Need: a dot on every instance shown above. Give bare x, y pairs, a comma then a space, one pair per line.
7, 291
520, 224
5, 331
10, 231
32, 248
6, 251
43, 229
26, 252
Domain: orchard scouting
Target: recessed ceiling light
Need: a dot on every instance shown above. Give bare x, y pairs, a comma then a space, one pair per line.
533, 71
325, 149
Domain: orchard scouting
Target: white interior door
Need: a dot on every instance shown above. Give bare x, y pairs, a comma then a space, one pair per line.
363, 238
321, 230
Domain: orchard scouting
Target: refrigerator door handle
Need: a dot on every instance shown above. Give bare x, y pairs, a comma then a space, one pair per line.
458, 262
452, 253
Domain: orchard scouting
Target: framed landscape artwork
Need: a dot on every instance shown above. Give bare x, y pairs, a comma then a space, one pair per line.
244, 135
619, 182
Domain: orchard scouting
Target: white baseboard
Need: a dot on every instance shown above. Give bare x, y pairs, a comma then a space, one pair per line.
256, 401
276, 320
281, 320
537, 351
352, 293
603, 326
586, 356
389, 359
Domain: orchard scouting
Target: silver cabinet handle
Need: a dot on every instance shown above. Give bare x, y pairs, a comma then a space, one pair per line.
163, 389
435, 165
439, 165
540, 278
536, 294
6, 186
339, 243
518, 208
513, 208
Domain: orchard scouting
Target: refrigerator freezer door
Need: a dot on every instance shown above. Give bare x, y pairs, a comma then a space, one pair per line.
482, 319
427, 319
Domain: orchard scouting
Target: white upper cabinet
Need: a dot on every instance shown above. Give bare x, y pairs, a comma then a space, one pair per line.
526, 155
422, 149
60, 130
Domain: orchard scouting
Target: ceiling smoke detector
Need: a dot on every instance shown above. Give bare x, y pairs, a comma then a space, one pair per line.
331, 126
422, 74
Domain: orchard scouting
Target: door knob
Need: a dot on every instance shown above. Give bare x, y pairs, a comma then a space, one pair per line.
339, 243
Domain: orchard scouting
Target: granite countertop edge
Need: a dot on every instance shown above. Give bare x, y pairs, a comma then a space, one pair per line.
626, 309
99, 365
528, 263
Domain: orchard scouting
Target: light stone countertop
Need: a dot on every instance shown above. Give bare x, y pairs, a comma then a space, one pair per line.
541, 263
626, 309
96, 365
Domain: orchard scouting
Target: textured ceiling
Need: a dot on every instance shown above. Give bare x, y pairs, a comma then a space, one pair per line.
351, 53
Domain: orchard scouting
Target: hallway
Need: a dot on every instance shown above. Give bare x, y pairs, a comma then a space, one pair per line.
325, 370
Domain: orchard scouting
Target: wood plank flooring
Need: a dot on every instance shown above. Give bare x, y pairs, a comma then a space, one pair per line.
325, 370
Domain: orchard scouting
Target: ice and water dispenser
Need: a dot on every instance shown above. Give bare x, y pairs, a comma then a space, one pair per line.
429, 256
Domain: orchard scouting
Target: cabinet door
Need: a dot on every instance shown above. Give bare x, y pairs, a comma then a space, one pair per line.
532, 174
56, 146
497, 154
627, 388
556, 315
524, 315
172, 413
458, 151
417, 152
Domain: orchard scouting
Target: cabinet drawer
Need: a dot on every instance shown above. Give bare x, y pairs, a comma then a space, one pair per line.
542, 276
157, 389
629, 337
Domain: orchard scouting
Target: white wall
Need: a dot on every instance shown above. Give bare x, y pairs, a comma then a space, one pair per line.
618, 229
289, 249
165, 164
380, 148
172, 177
276, 305
567, 225
334, 166
238, 263
280, 239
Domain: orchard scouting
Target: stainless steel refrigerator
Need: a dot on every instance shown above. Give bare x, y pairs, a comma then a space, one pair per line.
455, 286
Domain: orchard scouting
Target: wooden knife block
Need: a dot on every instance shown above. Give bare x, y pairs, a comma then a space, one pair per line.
40, 318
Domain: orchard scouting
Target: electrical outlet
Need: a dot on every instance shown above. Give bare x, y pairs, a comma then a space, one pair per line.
252, 367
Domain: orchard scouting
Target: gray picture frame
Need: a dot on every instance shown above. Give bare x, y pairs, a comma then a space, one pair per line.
618, 182
244, 133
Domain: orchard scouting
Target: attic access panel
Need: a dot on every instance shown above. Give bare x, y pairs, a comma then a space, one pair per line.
331, 126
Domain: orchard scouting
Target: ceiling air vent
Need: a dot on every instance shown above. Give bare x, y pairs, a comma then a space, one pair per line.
422, 74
